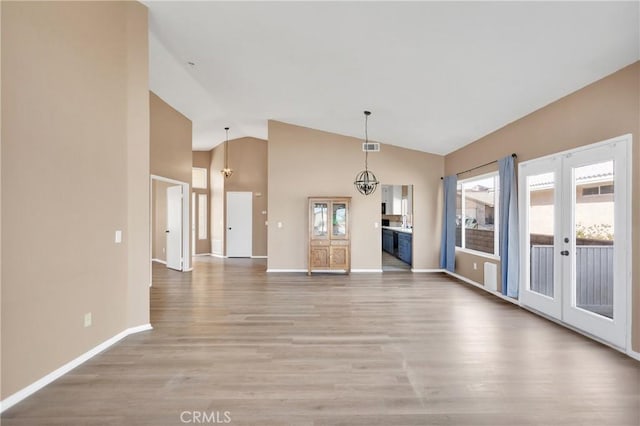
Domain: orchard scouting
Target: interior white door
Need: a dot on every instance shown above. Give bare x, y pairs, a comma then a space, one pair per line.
575, 238
239, 224
174, 227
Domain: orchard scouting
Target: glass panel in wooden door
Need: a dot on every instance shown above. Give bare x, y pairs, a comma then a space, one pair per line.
319, 220
540, 206
339, 220
594, 221
541, 224
596, 229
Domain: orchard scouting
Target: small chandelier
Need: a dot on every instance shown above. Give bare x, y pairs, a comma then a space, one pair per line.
366, 182
226, 172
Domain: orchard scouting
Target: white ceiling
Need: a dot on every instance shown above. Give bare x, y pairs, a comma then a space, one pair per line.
436, 75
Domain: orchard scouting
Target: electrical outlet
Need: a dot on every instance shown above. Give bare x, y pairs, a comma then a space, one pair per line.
475, 266
87, 319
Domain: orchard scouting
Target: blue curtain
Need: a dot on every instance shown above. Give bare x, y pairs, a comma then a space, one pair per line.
448, 241
509, 227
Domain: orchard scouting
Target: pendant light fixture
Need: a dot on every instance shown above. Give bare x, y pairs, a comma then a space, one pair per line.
366, 182
226, 172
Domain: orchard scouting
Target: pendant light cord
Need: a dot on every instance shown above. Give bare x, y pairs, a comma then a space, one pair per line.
366, 140
226, 149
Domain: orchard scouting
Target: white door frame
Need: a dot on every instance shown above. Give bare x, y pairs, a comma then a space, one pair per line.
173, 231
623, 244
186, 232
549, 305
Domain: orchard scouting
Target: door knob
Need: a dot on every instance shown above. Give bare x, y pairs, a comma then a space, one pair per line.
564, 253
229, 228
167, 231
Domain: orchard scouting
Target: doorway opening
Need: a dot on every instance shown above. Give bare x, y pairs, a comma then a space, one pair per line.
170, 228
397, 228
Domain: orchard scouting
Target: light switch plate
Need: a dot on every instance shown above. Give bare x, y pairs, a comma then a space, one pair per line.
87, 319
118, 237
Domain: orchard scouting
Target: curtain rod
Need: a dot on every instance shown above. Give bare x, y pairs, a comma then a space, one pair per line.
480, 166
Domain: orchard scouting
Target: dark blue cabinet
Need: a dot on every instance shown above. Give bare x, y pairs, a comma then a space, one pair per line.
404, 247
387, 241
397, 244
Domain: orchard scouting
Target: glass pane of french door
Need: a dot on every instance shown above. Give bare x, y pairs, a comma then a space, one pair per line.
541, 190
593, 218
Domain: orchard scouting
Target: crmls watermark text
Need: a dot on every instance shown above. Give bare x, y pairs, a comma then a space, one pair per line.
206, 417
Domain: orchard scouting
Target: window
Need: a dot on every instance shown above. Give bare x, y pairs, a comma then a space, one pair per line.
199, 178
477, 214
202, 216
597, 190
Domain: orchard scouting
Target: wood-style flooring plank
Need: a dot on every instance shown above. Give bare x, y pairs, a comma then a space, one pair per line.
321, 350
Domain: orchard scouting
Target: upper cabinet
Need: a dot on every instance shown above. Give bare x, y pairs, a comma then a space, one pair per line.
329, 234
392, 196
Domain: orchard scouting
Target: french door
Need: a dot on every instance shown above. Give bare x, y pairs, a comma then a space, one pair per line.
575, 237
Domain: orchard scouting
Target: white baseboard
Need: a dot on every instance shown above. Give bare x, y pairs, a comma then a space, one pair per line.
286, 270
159, 261
475, 284
366, 271
427, 270
629, 351
259, 257
187, 270
218, 255
12, 400
201, 254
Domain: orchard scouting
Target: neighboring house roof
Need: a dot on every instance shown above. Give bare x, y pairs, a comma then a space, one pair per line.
594, 173
483, 197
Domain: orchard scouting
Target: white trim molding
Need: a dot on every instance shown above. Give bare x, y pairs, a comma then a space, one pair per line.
633, 354
475, 284
259, 257
12, 400
159, 261
218, 255
366, 271
286, 270
429, 271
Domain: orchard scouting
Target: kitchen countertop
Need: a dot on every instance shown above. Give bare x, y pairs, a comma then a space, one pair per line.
399, 229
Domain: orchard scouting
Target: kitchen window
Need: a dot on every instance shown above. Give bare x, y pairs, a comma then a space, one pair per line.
477, 214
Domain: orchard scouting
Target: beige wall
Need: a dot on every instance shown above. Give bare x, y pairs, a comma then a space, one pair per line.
202, 159
304, 162
171, 154
216, 211
605, 109
248, 159
75, 123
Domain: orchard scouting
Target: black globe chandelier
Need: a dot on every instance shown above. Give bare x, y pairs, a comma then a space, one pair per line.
366, 182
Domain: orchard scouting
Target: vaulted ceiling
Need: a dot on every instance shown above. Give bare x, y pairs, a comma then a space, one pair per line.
437, 75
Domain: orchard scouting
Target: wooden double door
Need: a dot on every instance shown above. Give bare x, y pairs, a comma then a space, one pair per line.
329, 234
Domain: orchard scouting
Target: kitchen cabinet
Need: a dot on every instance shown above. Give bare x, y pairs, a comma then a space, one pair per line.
329, 234
387, 241
404, 247
398, 242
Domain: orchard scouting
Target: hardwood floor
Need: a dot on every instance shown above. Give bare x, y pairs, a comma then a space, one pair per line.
364, 349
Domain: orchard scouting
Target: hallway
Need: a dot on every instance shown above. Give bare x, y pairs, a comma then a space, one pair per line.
364, 349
